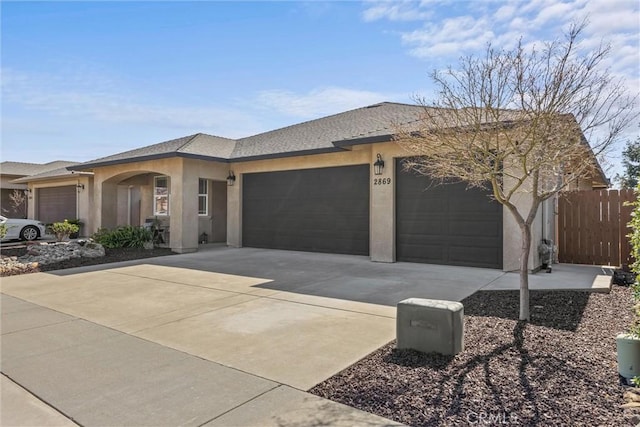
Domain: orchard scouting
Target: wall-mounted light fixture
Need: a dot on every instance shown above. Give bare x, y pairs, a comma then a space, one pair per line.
231, 179
80, 186
378, 166
27, 191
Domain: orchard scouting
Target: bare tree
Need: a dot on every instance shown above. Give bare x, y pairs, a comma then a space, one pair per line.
18, 203
516, 122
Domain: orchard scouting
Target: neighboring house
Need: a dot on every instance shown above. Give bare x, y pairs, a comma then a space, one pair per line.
59, 194
314, 186
16, 197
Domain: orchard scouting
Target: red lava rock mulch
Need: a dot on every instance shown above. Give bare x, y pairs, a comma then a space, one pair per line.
558, 370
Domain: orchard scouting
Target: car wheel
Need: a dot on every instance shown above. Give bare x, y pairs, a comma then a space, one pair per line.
29, 233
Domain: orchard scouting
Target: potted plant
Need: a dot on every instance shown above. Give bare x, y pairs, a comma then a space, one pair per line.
78, 223
62, 230
628, 346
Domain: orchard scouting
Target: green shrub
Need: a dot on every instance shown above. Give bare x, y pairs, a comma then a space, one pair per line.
62, 230
126, 236
3, 230
634, 239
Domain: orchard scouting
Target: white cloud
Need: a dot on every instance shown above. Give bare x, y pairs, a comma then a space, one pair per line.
91, 97
454, 35
446, 32
556, 12
319, 102
395, 11
449, 31
505, 12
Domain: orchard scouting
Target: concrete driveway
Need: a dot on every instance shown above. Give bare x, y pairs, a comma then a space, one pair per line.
220, 337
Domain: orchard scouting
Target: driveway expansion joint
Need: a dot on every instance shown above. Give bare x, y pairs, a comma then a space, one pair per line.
35, 395
242, 404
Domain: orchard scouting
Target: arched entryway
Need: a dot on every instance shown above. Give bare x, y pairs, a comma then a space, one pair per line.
185, 206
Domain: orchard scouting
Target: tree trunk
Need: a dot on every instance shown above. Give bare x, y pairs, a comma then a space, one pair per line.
524, 271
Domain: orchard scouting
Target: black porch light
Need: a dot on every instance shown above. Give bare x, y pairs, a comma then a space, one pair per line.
378, 166
231, 179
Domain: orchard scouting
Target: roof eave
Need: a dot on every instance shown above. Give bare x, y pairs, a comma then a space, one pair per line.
28, 179
363, 140
287, 154
92, 165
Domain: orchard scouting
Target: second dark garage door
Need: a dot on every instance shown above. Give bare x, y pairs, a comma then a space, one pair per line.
446, 224
317, 210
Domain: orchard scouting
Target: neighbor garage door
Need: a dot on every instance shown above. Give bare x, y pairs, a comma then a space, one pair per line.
317, 210
446, 224
56, 204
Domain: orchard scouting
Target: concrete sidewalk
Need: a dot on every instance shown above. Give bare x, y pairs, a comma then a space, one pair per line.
98, 376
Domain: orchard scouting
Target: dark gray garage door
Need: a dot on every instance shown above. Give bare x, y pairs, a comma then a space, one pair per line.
446, 224
56, 204
317, 210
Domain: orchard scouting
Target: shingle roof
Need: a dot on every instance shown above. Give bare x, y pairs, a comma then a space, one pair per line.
322, 134
374, 123
25, 169
198, 145
55, 173
312, 136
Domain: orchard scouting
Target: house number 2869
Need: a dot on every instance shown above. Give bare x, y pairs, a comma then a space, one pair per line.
381, 181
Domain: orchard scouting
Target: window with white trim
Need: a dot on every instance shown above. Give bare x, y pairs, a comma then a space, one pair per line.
161, 195
203, 197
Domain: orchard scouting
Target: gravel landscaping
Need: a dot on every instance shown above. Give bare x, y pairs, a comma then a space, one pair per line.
558, 370
9, 266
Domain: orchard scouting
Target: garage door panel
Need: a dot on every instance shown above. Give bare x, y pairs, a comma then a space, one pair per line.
476, 229
319, 210
446, 224
55, 204
423, 253
466, 256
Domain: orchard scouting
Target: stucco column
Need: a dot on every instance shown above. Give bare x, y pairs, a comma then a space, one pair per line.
234, 213
31, 203
146, 202
382, 246
183, 210
512, 236
85, 196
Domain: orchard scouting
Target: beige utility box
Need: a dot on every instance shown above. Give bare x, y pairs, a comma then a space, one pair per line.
430, 325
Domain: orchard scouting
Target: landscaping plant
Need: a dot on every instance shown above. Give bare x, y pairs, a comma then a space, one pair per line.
126, 236
3, 230
634, 240
62, 230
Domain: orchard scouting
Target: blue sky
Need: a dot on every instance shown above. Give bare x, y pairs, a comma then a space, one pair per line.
82, 80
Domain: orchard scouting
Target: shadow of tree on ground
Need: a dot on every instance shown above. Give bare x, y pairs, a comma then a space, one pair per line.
557, 370
552, 309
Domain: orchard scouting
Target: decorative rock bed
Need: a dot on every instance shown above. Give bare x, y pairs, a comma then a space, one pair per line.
50, 253
557, 370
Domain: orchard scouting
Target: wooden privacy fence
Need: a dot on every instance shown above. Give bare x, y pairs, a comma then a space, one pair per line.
592, 227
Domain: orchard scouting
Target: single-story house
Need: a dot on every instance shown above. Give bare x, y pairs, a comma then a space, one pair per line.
60, 194
334, 184
16, 197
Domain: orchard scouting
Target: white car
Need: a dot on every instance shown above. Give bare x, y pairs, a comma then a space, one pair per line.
23, 229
